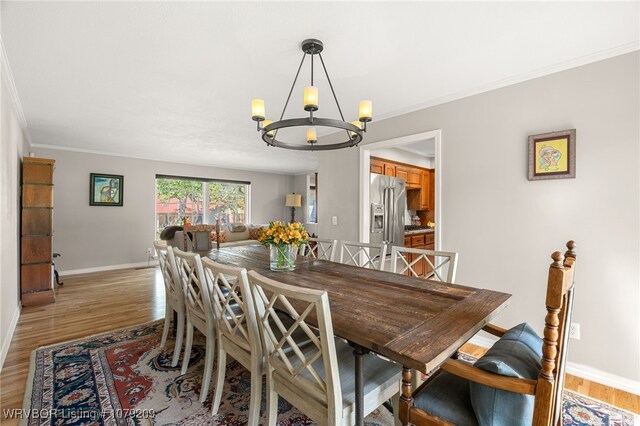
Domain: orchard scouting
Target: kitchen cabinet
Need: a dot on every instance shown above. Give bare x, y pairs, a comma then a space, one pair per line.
420, 182
414, 179
420, 241
376, 166
403, 173
425, 190
432, 189
389, 169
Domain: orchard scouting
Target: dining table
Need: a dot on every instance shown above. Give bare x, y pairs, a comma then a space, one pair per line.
415, 322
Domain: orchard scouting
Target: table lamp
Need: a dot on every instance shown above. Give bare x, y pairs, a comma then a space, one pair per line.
293, 201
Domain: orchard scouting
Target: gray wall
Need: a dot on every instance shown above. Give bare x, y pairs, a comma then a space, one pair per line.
13, 142
505, 227
90, 236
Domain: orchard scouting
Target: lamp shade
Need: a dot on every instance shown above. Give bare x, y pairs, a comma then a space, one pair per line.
294, 200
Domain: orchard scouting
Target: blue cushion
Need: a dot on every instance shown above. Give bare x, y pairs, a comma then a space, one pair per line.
516, 354
526, 334
447, 396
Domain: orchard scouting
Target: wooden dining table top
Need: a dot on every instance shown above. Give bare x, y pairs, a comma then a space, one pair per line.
415, 322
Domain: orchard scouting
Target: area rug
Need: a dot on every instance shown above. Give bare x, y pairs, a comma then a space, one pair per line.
124, 378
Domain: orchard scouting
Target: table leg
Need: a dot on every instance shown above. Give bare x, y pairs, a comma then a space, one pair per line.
359, 352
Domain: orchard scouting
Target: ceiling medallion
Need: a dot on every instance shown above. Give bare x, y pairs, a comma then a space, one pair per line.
269, 129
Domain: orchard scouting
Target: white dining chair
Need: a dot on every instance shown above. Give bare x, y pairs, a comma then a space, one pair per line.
364, 255
319, 378
174, 298
443, 264
236, 330
319, 249
199, 312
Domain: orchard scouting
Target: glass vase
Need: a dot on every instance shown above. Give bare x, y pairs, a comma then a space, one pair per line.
283, 257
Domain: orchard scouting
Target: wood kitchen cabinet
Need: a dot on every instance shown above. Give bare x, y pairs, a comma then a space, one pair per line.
389, 169
376, 166
36, 271
425, 190
420, 241
419, 181
432, 189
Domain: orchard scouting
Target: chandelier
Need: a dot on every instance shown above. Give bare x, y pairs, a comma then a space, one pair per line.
269, 129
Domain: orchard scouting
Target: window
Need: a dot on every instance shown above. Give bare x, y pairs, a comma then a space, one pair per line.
198, 201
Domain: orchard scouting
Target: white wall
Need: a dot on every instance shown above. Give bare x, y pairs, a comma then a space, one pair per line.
11, 151
505, 227
403, 156
91, 236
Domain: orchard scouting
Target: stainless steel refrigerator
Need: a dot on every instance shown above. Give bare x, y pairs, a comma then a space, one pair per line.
388, 197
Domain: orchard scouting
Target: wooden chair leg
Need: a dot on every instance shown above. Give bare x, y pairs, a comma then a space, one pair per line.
179, 336
187, 348
272, 403
221, 367
167, 324
208, 368
256, 395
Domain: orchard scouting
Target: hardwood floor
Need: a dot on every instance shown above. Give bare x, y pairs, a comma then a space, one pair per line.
94, 303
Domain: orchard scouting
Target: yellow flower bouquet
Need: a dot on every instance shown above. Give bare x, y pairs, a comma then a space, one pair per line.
283, 241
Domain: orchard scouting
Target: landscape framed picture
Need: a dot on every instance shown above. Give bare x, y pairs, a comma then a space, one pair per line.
106, 190
552, 155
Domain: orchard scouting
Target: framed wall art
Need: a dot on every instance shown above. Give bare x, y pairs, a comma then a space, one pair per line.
106, 190
552, 155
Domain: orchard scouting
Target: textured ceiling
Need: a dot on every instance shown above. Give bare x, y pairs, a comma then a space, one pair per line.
174, 80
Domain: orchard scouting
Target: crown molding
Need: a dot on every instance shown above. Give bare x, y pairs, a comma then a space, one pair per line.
7, 77
161, 160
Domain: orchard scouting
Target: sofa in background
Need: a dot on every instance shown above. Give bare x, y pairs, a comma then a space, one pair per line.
231, 234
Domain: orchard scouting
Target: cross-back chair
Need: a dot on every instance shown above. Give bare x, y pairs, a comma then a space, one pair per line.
236, 331
174, 298
319, 249
443, 264
199, 312
364, 255
519, 381
317, 378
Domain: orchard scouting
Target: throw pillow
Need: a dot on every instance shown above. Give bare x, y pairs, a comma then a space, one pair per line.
238, 227
254, 232
516, 354
223, 237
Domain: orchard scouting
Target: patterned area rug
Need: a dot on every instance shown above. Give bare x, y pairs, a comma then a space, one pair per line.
123, 378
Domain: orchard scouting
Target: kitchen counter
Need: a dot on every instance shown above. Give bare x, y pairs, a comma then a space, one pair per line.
419, 231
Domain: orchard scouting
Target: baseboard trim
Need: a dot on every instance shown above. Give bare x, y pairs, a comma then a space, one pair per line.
12, 327
107, 268
580, 370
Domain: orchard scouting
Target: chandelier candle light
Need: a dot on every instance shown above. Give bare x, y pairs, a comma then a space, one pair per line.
353, 130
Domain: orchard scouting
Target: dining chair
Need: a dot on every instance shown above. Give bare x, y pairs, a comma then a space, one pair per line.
174, 298
364, 255
518, 382
319, 378
199, 312
236, 330
443, 264
319, 249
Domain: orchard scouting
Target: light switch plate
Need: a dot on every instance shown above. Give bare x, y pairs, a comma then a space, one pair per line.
334, 220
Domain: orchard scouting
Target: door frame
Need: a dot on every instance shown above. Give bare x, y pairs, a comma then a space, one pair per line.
365, 163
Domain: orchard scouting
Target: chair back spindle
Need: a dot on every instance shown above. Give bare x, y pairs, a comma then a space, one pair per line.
319, 249
364, 255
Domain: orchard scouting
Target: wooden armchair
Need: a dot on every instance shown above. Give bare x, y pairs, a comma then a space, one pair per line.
448, 398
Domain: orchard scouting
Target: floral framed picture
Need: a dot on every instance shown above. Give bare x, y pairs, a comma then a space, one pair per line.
106, 190
552, 155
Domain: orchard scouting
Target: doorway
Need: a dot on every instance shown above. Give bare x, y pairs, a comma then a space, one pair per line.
365, 166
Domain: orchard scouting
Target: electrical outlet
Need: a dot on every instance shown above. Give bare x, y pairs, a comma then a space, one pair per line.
149, 251
574, 331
